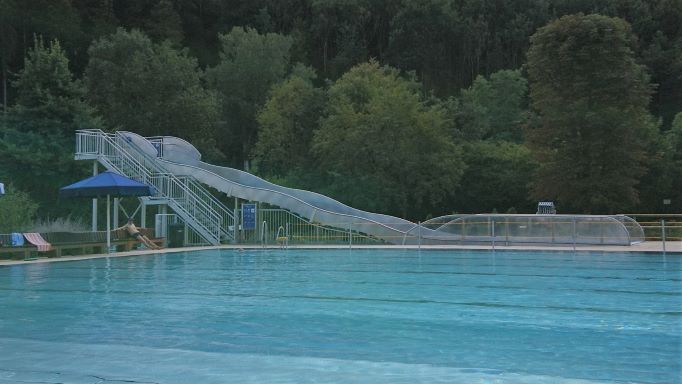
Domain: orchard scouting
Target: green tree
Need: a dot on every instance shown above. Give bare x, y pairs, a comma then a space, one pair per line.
37, 139
165, 23
663, 179
17, 210
494, 108
592, 97
384, 144
673, 165
424, 37
49, 99
286, 124
98, 17
8, 43
339, 31
250, 64
496, 178
151, 89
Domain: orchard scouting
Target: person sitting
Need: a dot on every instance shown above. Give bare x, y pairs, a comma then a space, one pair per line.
134, 232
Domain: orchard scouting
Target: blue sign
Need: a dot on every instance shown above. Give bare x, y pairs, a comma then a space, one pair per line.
249, 216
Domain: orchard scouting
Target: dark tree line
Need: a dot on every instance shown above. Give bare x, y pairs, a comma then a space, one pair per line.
407, 107
447, 42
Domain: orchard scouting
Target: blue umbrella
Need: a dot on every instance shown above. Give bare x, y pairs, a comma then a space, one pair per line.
106, 184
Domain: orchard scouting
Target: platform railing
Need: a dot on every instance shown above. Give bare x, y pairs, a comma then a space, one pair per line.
300, 231
477, 230
210, 203
179, 192
167, 186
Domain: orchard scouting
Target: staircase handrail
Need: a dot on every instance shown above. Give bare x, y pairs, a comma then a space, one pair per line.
148, 178
209, 201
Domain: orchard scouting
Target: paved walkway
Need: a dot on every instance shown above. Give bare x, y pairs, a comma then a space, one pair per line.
649, 246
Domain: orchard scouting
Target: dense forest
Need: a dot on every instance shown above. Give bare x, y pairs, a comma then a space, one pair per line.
411, 108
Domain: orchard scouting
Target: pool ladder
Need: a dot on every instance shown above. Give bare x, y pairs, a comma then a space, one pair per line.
282, 236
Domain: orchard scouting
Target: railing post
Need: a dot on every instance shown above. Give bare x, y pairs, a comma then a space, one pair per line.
262, 234
506, 231
94, 201
575, 234
663, 233
143, 214
117, 202
493, 232
419, 235
108, 226
601, 231
236, 231
350, 234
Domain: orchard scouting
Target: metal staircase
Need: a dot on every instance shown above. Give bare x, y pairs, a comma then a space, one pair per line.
203, 212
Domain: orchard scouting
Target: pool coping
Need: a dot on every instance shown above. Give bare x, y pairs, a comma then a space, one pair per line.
647, 247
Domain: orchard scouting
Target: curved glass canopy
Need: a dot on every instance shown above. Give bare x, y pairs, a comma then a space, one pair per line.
529, 229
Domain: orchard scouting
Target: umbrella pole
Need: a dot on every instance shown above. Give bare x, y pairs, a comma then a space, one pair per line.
108, 226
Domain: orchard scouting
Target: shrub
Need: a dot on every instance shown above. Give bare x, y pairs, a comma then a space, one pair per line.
17, 210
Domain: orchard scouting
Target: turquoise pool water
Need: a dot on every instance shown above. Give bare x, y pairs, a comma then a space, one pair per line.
340, 316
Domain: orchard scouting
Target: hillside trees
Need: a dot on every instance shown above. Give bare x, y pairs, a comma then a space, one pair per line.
36, 140
250, 64
417, 31
385, 145
471, 37
494, 107
673, 139
17, 210
286, 125
592, 97
150, 89
496, 178
489, 116
467, 54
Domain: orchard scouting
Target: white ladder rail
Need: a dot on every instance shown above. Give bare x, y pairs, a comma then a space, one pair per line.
167, 188
104, 148
210, 202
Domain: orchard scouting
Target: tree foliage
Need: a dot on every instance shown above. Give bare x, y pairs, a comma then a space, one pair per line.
673, 164
36, 140
49, 99
286, 125
17, 210
494, 108
164, 23
151, 89
592, 97
469, 58
380, 131
496, 178
250, 63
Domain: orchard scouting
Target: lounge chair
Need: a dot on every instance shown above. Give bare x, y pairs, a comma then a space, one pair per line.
37, 240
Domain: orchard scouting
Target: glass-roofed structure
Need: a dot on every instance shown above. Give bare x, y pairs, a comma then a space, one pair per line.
527, 229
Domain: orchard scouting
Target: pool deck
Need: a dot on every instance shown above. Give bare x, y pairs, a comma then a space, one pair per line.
649, 246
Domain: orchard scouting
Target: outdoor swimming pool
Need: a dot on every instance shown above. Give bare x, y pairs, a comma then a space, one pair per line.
341, 316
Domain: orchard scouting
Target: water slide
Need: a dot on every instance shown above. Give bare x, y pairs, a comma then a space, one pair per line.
178, 157
182, 158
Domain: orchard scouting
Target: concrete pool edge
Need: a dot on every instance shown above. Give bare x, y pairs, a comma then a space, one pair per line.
647, 247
